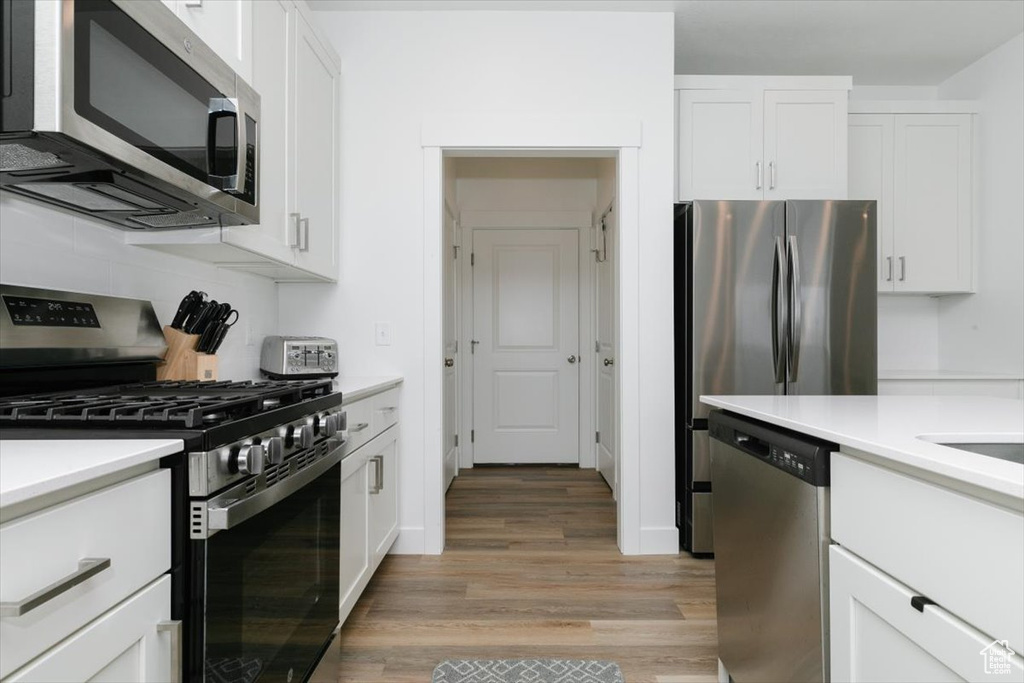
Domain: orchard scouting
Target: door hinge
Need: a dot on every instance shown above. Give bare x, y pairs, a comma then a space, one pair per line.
597, 437
472, 259
472, 436
472, 346
456, 348
455, 251
456, 440
597, 346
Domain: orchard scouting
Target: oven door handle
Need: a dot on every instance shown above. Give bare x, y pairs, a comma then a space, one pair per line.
220, 518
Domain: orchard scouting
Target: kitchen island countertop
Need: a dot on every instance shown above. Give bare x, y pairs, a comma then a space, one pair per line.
888, 427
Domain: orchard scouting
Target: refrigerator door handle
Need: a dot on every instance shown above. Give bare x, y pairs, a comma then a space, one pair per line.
778, 292
793, 259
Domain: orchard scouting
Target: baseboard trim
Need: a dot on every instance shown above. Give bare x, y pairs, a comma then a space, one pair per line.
410, 541
659, 541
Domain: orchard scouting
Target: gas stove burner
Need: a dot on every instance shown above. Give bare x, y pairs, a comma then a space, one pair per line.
159, 405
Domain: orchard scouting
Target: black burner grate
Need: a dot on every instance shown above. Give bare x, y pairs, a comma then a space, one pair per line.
159, 405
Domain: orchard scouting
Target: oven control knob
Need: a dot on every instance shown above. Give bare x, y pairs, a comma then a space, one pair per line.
275, 450
329, 426
306, 436
250, 459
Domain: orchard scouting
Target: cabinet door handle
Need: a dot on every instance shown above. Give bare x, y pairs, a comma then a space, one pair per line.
296, 240
193, 3
359, 427
378, 474
304, 234
173, 628
903, 268
87, 568
888, 260
760, 175
771, 175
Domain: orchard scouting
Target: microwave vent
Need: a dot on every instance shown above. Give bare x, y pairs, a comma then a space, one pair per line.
79, 196
18, 157
180, 219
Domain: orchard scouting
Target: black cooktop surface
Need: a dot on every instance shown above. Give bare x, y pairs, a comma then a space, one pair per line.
159, 405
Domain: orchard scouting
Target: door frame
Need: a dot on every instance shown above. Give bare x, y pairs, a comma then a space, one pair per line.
579, 221
496, 134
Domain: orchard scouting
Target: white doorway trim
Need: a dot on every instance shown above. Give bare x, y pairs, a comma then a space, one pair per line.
494, 135
581, 221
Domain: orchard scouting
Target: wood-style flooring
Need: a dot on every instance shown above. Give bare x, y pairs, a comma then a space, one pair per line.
531, 569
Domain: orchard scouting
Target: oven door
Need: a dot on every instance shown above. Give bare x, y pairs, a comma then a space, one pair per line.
269, 576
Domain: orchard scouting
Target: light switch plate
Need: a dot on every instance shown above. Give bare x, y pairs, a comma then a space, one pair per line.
382, 334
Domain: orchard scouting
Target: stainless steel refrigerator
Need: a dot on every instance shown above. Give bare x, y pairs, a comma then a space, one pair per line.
770, 298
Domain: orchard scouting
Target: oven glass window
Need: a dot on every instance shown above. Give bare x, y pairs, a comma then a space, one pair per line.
132, 86
272, 587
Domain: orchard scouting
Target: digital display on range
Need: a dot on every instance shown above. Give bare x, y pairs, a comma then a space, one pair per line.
50, 312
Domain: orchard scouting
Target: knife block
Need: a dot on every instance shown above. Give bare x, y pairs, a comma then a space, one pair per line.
182, 361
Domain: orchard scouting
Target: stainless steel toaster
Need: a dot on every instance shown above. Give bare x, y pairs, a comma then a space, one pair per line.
295, 357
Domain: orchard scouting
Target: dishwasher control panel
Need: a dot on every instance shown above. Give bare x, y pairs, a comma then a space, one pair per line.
804, 457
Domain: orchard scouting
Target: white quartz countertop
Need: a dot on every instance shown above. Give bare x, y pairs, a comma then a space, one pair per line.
29, 469
952, 375
355, 388
889, 426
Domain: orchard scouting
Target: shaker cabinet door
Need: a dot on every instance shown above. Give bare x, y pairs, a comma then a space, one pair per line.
871, 177
805, 138
720, 144
932, 203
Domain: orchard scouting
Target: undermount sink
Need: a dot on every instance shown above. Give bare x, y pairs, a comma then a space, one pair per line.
1009, 447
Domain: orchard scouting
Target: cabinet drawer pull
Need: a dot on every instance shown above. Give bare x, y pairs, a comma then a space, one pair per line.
388, 409
87, 568
918, 602
173, 627
359, 427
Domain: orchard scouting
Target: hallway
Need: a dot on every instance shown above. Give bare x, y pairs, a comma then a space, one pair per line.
531, 569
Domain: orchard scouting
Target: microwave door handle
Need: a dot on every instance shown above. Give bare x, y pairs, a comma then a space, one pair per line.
220, 108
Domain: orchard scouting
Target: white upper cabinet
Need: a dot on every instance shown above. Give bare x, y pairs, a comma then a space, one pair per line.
919, 167
224, 25
805, 144
746, 137
720, 144
315, 161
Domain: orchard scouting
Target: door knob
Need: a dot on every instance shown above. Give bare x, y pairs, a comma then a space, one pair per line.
449, 362
609, 361
572, 359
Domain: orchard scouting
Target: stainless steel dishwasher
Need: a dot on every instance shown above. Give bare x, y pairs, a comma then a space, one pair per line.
771, 524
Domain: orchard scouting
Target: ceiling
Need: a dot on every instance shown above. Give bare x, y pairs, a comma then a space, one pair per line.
890, 42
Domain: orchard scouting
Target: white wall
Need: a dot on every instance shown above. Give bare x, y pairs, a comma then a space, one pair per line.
399, 68
526, 184
43, 247
985, 331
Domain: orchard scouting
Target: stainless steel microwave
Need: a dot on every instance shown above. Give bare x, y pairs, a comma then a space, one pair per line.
117, 110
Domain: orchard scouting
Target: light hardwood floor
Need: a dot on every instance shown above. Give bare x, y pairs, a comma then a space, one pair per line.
531, 569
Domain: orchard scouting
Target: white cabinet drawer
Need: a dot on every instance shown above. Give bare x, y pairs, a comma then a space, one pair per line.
877, 634
125, 644
129, 524
385, 410
959, 551
360, 427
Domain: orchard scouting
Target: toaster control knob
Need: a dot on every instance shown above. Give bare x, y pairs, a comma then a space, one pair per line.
249, 460
275, 450
306, 436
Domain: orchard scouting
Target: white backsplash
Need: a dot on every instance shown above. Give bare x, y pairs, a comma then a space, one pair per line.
44, 247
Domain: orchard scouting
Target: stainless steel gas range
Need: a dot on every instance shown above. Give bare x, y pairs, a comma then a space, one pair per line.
255, 493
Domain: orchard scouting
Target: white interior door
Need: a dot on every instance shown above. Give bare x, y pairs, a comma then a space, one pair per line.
450, 326
607, 460
526, 339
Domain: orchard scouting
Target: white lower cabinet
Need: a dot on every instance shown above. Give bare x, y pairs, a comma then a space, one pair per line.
383, 498
84, 590
132, 642
369, 492
878, 634
355, 532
